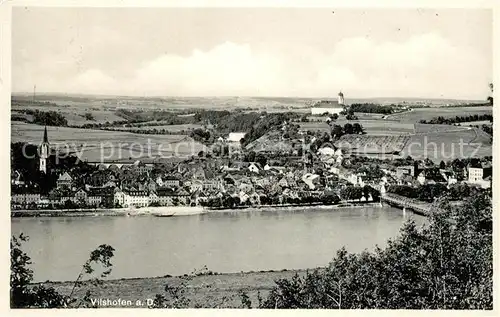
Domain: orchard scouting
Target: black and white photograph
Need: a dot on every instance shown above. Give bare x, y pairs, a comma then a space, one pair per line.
251, 157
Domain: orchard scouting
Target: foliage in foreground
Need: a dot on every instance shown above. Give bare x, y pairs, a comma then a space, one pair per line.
24, 295
447, 264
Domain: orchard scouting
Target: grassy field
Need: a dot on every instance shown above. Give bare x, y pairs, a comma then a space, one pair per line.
428, 113
449, 145
476, 123
372, 127
427, 128
94, 144
171, 128
203, 291
75, 114
372, 144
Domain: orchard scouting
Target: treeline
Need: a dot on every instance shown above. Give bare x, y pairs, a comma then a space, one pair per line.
426, 192
338, 131
356, 193
50, 118
228, 202
140, 116
371, 108
486, 104
458, 119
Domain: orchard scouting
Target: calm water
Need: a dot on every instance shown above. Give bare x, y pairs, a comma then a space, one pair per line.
224, 242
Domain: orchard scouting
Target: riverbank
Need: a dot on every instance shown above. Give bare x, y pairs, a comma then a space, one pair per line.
204, 291
148, 211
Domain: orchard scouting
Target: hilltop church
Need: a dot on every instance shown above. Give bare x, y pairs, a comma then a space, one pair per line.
329, 106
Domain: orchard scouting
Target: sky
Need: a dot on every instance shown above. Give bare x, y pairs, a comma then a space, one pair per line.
288, 52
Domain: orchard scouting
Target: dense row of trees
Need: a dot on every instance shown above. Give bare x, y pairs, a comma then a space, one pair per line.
50, 118
338, 130
458, 119
371, 108
426, 192
356, 192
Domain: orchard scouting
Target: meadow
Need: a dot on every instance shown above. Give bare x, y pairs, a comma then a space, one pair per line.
449, 145
416, 115
371, 127
372, 144
175, 128
91, 144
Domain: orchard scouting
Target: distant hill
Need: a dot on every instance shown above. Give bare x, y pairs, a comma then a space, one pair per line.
222, 102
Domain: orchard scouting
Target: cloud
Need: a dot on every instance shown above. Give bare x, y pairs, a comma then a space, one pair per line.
425, 65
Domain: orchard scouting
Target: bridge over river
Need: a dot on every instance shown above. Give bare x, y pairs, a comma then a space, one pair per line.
417, 206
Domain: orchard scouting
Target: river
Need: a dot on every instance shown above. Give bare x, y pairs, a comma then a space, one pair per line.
223, 241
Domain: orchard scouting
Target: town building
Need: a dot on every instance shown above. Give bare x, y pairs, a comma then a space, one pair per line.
480, 174
64, 180
235, 137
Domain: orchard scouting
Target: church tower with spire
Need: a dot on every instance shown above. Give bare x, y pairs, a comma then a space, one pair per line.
341, 100
44, 152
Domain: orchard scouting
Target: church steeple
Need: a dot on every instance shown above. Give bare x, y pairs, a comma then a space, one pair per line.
45, 137
44, 151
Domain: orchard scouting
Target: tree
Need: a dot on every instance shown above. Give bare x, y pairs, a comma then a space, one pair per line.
442, 165
261, 159
357, 128
89, 116
250, 157
348, 128
337, 131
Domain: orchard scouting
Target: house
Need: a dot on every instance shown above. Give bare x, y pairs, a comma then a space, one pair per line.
196, 185
235, 137
94, 200
136, 198
171, 181
198, 198
254, 167
25, 198
311, 180
212, 184
64, 180
421, 178
159, 181
407, 170
326, 151
283, 182
480, 174
98, 196
119, 197
153, 198
171, 197
81, 197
